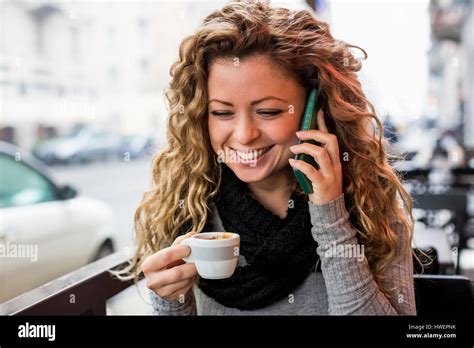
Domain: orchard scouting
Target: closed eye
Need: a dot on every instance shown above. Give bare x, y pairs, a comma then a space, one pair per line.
266, 113
221, 113
269, 112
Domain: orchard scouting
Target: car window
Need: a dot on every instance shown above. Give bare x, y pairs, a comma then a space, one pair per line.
22, 185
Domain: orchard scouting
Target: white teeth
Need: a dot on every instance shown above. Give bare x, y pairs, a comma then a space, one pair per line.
251, 155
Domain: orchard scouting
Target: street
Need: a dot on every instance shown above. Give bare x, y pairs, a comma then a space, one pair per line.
120, 184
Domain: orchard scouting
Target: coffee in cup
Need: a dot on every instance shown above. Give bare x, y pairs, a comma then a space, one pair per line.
215, 254
214, 236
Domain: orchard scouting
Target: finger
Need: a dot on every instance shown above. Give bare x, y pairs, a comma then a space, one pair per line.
313, 175
174, 290
321, 122
178, 240
164, 257
174, 275
319, 154
175, 263
328, 141
158, 280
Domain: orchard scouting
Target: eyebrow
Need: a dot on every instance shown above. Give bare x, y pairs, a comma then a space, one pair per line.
252, 103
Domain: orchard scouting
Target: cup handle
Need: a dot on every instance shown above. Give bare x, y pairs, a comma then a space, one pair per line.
187, 242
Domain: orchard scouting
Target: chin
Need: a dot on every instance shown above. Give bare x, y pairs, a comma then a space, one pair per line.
253, 175
250, 175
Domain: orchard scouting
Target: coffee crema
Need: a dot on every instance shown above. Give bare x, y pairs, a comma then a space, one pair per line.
215, 236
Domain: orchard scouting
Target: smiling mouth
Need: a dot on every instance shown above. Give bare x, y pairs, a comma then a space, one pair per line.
251, 155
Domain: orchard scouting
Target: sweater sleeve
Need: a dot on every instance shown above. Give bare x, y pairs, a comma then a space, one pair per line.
162, 306
351, 288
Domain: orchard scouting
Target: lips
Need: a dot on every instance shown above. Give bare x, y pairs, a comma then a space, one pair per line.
251, 155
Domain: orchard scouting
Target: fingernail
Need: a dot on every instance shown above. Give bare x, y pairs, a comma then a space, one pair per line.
292, 161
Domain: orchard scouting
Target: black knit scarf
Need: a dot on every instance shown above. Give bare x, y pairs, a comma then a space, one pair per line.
280, 253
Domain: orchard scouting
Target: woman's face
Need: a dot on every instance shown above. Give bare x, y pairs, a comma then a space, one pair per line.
254, 111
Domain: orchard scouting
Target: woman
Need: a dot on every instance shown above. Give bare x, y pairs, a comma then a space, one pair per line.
239, 87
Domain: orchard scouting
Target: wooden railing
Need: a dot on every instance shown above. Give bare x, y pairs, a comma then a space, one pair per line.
82, 292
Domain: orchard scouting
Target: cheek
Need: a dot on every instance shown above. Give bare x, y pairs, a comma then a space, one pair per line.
283, 132
217, 133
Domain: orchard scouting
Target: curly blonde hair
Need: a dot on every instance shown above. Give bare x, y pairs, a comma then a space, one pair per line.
186, 173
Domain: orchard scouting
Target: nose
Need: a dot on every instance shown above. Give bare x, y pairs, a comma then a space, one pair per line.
246, 130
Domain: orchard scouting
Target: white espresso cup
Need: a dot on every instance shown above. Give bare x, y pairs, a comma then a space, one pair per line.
215, 254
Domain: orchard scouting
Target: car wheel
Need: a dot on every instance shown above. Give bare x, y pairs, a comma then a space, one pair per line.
105, 249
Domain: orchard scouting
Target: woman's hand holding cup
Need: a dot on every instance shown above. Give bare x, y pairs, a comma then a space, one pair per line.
167, 274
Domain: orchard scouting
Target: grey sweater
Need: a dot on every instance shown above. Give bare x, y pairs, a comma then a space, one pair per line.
345, 286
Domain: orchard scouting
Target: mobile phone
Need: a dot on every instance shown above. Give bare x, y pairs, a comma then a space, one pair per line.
309, 121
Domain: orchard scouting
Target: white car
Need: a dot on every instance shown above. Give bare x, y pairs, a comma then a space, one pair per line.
46, 230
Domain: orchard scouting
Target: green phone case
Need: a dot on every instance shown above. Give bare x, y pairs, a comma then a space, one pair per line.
309, 121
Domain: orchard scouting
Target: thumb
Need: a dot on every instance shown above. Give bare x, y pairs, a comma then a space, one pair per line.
178, 240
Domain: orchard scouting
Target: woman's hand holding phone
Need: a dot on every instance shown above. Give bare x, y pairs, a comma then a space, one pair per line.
327, 181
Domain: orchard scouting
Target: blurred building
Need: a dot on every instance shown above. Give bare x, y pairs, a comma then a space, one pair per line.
468, 93
100, 64
451, 67
66, 63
